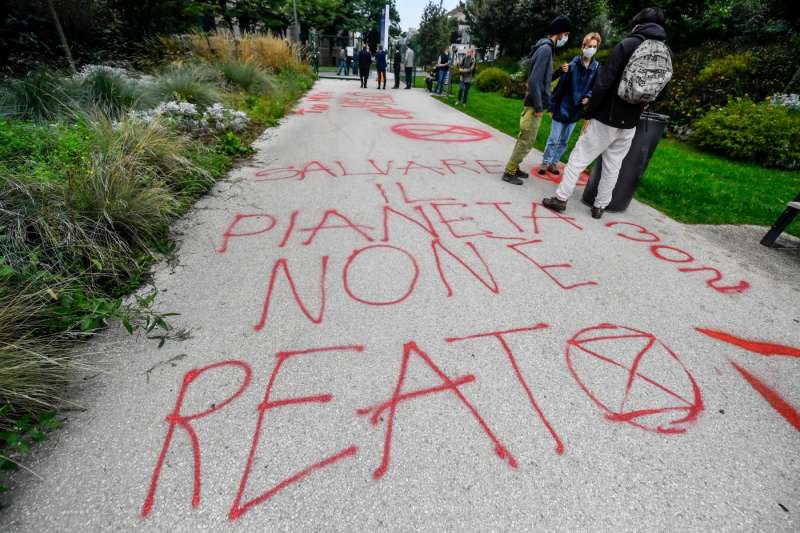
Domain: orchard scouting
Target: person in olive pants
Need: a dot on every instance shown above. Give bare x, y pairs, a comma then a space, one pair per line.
537, 97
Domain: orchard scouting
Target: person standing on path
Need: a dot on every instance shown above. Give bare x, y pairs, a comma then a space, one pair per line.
467, 72
628, 82
380, 65
408, 62
442, 69
537, 97
364, 61
349, 64
569, 99
397, 61
342, 61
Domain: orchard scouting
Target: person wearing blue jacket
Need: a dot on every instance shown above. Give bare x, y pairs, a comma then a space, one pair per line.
569, 99
380, 64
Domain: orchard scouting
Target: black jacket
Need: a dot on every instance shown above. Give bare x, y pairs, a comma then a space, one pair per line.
605, 105
364, 60
398, 61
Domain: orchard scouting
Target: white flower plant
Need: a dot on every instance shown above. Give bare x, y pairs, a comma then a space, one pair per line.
189, 118
789, 101
184, 116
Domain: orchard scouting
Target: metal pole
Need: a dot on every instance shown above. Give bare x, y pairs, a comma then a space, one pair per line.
296, 24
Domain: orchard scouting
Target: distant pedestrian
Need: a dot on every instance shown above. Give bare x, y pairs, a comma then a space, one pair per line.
430, 78
349, 61
442, 69
364, 62
342, 61
636, 73
380, 65
537, 97
408, 62
397, 65
467, 71
569, 100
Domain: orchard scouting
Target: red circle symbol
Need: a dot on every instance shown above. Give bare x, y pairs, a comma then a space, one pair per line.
443, 133
635, 378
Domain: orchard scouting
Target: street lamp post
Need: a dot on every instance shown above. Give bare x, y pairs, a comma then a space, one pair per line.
296, 30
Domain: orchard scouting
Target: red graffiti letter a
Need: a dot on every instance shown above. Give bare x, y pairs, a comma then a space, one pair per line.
448, 384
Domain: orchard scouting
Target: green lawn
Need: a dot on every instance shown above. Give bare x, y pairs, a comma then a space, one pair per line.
686, 184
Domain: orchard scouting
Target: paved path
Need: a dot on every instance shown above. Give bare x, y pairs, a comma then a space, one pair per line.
345, 289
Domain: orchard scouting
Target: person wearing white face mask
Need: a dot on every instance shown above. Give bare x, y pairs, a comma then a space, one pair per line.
537, 97
569, 99
616, 105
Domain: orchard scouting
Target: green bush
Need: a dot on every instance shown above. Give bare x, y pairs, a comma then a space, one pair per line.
246, 76
516, 86
110, 92
508, 64
709, 75
196, 84
491, 79
40, 95
758, 132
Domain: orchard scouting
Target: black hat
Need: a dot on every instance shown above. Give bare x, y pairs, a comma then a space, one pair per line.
560, 24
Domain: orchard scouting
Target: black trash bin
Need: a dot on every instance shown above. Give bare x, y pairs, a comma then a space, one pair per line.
649, 131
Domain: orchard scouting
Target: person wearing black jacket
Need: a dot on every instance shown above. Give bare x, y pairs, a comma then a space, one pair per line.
397, 61
380, 65
612, 121
364, 62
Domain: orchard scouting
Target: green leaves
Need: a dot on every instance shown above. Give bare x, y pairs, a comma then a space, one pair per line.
232, 145
17, 441
758, 132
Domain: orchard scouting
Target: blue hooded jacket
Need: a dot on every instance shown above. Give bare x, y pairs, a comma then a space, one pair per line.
380, 60
565, 103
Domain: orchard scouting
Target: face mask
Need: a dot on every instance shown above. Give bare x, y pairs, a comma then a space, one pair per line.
562, 41
589, 52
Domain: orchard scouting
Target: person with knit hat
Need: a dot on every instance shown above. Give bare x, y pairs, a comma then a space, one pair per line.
612, 113
538, 96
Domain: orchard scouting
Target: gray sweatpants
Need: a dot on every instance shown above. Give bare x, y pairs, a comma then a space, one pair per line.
597, 140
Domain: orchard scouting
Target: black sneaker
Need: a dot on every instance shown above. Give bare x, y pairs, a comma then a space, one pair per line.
512, 178
542, 170
555, 204
522, 175
597, 212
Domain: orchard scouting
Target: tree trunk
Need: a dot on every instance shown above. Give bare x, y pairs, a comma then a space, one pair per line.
61, 36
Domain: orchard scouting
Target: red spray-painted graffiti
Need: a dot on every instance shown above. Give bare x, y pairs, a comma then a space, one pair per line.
500, 336
597, 345
445, 133
338, 169
671, 254
595, 350
583, 179
759, 347
317, 103
185, 421
238, 508
766, 349
381, 105
448, 384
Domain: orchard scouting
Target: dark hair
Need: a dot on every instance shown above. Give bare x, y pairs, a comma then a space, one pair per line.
649, 14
